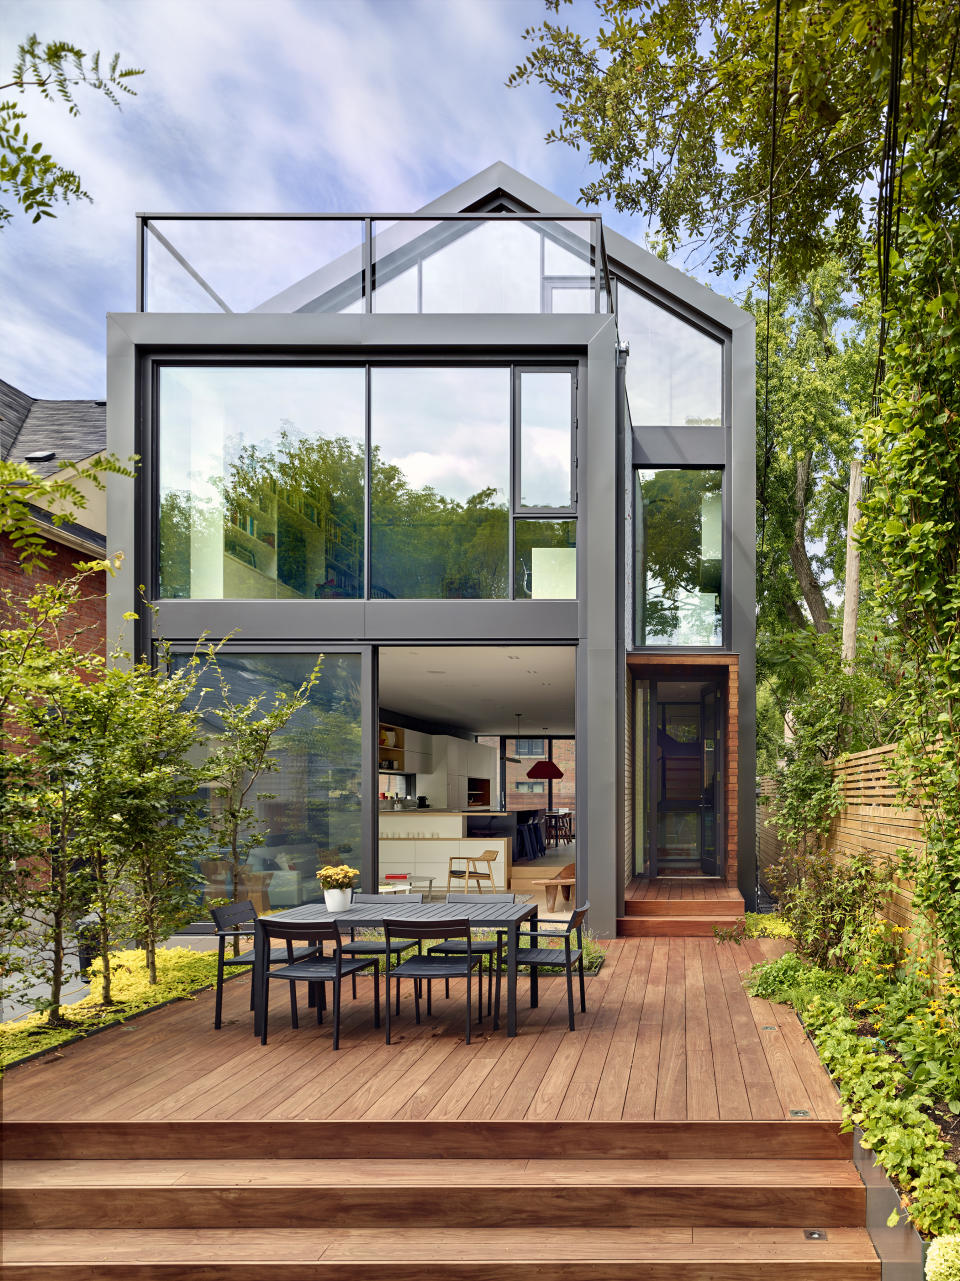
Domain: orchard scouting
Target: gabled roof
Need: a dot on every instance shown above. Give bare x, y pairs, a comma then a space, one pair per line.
500, 181
497, 188
73, 429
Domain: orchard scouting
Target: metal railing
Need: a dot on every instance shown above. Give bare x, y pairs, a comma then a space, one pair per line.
404, 262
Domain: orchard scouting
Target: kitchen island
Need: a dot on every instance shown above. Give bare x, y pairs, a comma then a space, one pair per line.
420, 842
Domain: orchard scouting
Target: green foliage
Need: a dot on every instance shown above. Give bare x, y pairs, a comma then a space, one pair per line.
923, 1022
793, 981
755, 925
180, 972
97, 810
831, 708
22, 488
28, 174
911, 512
877, 1094
673, 103
834, 907
943, 1259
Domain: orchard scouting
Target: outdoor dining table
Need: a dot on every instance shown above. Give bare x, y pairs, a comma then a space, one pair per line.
482, 915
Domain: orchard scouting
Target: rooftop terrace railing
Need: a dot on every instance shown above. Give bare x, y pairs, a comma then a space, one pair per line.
362, 263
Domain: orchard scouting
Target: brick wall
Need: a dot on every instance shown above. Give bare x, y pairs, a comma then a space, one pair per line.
91, 613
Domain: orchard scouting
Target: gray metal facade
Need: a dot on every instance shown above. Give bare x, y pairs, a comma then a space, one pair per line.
607, 449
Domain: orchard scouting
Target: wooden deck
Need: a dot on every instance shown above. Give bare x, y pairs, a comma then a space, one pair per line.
683, 1132
695, 889
669, 1034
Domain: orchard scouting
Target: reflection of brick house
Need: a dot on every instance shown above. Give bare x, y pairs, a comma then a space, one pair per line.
43, 433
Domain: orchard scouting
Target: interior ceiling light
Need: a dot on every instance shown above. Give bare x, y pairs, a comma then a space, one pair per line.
545, 769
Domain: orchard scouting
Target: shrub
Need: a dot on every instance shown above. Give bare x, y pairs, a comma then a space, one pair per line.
943, 1261
832, 906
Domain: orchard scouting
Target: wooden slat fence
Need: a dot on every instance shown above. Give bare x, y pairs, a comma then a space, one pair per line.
872, 821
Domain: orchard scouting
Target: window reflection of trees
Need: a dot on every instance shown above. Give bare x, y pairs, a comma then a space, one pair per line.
681, 574
292, 519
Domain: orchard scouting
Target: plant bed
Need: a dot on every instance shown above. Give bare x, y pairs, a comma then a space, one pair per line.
181, 974
896, 1097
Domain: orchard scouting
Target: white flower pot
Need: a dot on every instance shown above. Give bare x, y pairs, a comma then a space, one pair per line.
336, 900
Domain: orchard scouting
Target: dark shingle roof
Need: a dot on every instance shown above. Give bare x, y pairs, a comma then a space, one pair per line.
74, 429
14, 407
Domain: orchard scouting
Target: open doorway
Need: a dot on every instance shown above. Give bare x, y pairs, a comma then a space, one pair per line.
460, 776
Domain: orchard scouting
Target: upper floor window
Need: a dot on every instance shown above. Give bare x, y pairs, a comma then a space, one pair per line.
674, 371
262, 476
678, 579
261, 482
530, 747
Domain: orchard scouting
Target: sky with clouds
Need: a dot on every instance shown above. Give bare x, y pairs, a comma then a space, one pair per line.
285, 105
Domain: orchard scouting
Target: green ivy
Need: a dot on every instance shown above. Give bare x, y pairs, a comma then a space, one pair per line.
911, 512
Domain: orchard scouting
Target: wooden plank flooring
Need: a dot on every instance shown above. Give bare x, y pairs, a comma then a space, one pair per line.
669, 1034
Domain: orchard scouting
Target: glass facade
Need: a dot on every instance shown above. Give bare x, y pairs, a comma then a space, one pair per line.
546, 438
261, 480
308, 808
545, 560
674, 372
483, 266
678, 532
440, 468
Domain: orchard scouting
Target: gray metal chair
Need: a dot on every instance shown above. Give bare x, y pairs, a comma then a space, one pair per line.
537, 957
432, 967
377, 947
237, 920
489, 948
316, 971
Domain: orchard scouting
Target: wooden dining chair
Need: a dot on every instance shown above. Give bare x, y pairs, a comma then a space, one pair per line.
472, 871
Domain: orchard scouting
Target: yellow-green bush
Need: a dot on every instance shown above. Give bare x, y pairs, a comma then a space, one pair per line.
943, 1261
180, 971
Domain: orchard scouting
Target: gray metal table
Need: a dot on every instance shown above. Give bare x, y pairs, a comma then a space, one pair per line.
370, 916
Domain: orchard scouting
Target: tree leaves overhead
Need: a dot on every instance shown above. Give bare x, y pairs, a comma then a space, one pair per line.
28, 174
674, 103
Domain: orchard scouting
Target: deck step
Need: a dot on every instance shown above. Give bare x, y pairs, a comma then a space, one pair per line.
410, 1253
242, 1193
430, 1140
694, 926
718, 907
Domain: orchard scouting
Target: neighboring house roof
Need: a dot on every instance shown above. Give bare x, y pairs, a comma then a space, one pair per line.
74, 430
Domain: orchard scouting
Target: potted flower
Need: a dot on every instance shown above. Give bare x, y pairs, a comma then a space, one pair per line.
337, 882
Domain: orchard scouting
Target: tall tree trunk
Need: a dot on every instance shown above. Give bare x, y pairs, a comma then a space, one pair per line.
851, 591
812, 591
104, 932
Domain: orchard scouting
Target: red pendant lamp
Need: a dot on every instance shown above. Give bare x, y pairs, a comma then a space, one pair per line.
545, 769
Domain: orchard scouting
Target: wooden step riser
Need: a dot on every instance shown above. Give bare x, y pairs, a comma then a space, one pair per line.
379, 1270
434, 1140
524, 1205
651, 927
719, 907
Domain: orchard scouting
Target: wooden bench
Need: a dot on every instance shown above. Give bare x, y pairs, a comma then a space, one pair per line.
564, 881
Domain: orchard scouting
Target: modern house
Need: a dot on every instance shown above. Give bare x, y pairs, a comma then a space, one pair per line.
495, 464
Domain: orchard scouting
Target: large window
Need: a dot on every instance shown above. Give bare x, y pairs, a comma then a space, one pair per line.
440, 482
678, 557
261, 482
262, 474
674, 371
307, 810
